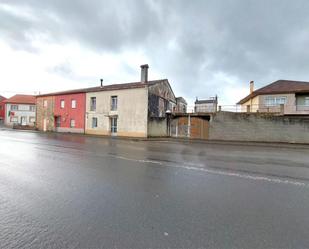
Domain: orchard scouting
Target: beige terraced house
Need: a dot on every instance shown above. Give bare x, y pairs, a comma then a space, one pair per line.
285, 96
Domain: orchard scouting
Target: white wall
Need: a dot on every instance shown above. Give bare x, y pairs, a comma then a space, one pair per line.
23, 111
132, 112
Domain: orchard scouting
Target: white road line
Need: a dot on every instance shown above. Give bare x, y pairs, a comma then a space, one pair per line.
198, 167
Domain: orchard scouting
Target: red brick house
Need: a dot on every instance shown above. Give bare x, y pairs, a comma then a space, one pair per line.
2, 109
62, 111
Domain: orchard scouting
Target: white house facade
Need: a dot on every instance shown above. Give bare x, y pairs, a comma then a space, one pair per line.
22, 113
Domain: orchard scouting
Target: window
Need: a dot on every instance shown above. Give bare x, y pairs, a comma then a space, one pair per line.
73, 103
93, 103
14, 107
44, 103
72, 123
94, 122
31, 119
275, 101
114, 101
62, 104
32, 108
306, 101
14, 119
113, 125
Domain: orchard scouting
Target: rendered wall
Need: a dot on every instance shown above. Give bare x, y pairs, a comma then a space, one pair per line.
157, 127
68, 113
131, 112
23, 111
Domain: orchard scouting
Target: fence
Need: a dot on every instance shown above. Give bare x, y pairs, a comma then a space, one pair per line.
279, 109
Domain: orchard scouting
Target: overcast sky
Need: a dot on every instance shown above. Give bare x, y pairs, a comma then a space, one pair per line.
204, 47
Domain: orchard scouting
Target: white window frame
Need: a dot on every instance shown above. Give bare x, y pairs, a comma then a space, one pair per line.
14, 119
32, 108
275, 100
73, 103
62, 103
72, 123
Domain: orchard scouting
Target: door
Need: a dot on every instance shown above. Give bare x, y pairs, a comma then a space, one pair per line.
113, 126
23, 120
58, 123
44, 124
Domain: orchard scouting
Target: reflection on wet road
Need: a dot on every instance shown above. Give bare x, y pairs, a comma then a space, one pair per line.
74, 191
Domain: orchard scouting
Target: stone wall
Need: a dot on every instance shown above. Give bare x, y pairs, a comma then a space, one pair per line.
45, 114
258, 127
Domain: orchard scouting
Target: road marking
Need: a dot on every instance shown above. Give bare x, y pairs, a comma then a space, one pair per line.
198, 167
192, 166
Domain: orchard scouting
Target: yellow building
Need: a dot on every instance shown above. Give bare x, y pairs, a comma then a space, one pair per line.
289, 97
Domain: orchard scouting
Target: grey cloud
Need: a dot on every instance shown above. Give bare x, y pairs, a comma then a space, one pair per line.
102, 25
242, 39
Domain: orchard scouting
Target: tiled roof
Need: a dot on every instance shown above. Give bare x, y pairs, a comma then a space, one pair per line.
21, 99
121, 86
181, 99
278, 87
2, 98
207, 101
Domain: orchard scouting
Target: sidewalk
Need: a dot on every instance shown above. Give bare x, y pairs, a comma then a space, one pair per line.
229, 142
175, 140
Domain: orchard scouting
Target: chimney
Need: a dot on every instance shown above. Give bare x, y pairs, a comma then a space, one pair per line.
251, 86
144, 73
101, 82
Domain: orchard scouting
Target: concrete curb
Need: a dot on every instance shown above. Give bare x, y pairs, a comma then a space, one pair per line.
177, 140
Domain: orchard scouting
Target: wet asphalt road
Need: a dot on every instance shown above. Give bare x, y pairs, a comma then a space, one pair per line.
72, 191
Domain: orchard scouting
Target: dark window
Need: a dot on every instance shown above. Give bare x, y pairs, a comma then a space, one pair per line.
93, 104
14, 107
94, 122
114, 102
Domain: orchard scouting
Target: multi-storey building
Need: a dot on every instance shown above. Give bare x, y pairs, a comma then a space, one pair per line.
2, 109
20, 110
137, 109
285, 96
